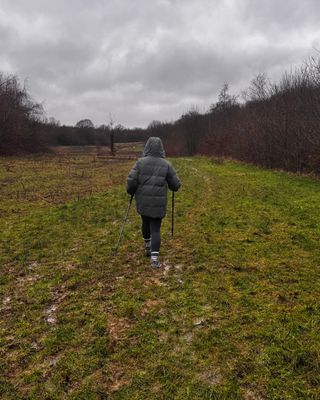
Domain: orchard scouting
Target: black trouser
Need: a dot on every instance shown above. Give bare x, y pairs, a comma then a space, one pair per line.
151, 228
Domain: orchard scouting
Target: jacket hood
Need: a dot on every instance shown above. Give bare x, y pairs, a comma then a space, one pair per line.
154, 148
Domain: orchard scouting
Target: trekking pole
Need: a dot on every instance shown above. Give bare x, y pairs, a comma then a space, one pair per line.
124, 222
172, 214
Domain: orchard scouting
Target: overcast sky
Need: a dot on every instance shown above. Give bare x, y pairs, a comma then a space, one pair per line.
144, 60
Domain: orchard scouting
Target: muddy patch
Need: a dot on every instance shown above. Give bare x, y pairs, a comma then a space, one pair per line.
153, 281
151, 305
50, 314
211, 377
28, 279
250, 394
118, 327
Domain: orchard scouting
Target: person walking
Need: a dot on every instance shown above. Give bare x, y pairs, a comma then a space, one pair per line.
148, 181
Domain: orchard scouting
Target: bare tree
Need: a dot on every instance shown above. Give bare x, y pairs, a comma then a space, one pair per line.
19, 116
191, 129
85, 123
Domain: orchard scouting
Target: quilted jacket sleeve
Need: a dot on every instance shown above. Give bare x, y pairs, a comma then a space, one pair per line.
172, 179
132, 180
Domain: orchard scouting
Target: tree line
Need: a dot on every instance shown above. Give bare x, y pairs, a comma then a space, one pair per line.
276, 125
272, 124
25, 129
19, 118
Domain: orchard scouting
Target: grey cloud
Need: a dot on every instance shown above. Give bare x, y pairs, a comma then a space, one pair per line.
147, 60
281, 16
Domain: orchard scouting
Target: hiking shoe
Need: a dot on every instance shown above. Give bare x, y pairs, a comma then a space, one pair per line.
147, 247
155, 260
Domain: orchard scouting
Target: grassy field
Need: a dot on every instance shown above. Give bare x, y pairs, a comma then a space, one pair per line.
233, 313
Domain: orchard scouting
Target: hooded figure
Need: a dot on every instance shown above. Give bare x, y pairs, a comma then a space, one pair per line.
148, 180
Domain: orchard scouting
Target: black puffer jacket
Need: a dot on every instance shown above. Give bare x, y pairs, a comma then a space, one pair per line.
149, 178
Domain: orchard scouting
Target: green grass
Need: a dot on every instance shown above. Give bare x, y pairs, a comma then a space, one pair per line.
233, 314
